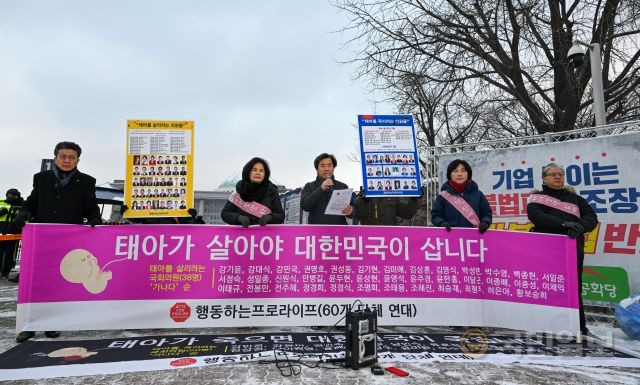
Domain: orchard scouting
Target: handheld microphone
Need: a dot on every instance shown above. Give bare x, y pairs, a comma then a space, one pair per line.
328, 176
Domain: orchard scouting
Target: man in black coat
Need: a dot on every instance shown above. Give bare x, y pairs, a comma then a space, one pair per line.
316, 194
61, 195
574, 219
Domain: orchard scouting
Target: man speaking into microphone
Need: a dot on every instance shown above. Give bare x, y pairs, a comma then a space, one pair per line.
316, 194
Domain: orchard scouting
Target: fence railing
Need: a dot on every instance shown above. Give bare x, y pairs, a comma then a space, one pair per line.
431, 174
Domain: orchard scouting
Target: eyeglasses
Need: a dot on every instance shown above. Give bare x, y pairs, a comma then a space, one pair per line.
555, 174
65, 157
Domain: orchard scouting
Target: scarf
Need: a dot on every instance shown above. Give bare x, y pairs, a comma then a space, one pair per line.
459, 187
252, 192
62, 178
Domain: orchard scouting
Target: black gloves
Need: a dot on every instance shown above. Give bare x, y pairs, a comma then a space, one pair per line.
22, 218
95, 221
574, 234
446, 225
244, 220
3, 211
574, 229
265, 219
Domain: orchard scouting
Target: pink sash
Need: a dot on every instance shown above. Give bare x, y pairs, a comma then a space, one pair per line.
555, 203
254, 208
463, 207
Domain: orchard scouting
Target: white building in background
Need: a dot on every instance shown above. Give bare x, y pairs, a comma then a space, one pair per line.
210, 203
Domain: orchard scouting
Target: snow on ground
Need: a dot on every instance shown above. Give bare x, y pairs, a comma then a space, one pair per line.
615, 337
254, 373
604, 375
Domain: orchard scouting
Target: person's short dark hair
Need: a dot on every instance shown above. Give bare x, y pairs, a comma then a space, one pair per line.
13, 192
452, 166
322, 156
246, 170
67, 146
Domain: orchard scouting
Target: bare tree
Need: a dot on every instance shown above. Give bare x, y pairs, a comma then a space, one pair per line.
471, 70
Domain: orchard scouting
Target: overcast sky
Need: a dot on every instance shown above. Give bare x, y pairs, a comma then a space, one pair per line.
259, 78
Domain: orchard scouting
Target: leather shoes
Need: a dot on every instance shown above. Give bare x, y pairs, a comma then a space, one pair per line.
24, 336
52, 334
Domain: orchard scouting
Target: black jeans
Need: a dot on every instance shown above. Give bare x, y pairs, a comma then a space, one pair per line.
7, 257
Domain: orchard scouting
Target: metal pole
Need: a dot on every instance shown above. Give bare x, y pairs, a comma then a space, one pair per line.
596, 84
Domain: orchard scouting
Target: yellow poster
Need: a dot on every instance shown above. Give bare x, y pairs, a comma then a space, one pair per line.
159, 179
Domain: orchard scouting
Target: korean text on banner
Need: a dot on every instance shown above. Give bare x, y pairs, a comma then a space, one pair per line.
166, 276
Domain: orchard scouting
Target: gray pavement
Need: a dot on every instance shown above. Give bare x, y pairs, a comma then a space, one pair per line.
254, 373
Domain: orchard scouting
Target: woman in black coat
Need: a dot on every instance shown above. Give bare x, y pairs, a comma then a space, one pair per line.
460, 185
557, 209
256, 199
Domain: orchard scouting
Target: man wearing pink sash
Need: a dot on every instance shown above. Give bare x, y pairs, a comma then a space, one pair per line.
557, 209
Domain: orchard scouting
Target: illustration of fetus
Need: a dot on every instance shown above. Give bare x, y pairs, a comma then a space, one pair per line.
71, 354
80, 266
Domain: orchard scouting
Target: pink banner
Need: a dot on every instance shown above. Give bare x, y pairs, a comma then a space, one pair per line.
114, 263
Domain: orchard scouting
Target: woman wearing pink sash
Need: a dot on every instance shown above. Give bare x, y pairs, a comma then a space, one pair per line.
256, 199
557, 209
460, 202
